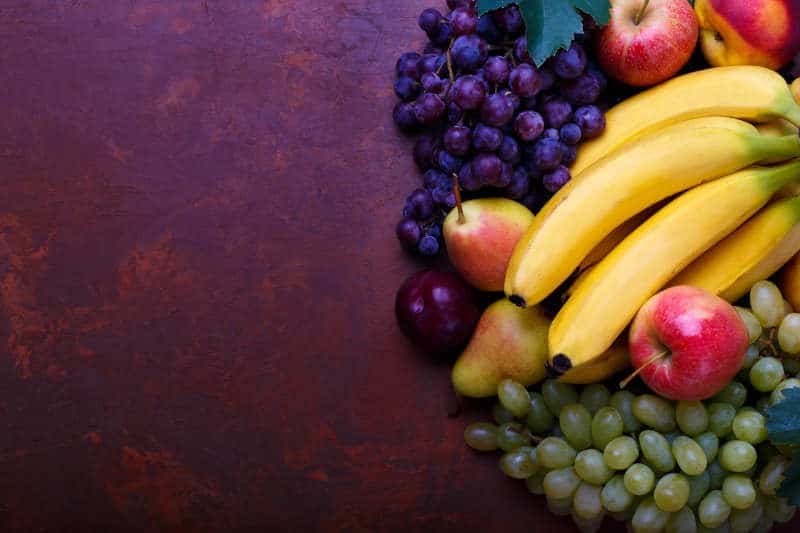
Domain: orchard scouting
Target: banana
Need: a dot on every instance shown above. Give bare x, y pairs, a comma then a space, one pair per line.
746, 92
752, 253
614, 360
777, 128
615, 237
608, 298
631, 179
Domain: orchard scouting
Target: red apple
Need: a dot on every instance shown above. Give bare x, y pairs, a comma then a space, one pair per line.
687, 343
646, 42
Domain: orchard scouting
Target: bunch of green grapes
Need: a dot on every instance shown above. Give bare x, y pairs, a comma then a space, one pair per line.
658, 464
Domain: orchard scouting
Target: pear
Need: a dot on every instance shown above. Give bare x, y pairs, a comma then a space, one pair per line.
480, 236
508, 342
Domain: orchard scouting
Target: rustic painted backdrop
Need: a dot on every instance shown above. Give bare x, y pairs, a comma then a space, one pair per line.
197, 272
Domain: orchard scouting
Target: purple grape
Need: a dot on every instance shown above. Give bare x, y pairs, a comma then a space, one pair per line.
408, 65
457, 139
556, 112
435, 231
524, 80
487, 29
550, 133
408, 233
509, 20
534, 173
406, 88
486, 138
556, 179
570, 154
428, 63
444, 197
520, 182
528, 125
468, 92
429, 19
464, 20
487, 168
467, 179
570, 133
547, 77
547, 154
496, 70
447, 162
504, 179
442, 34
428, 108
469, 52
521, 50
453, 113
455, 4
528, 103
405, 117
433, 179
497, 109
423, 151
591, 121
585, 89
509, 150
420, 204
428, 245
602, 81
534, 200
431, 83
569, 64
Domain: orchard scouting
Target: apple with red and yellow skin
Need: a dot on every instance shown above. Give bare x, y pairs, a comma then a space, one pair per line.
686, 343
749, 32
646, 42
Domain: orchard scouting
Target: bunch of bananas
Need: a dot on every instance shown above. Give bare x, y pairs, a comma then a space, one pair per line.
682, 188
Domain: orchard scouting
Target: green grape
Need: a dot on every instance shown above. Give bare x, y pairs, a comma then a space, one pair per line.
720, 418
534, 483
772, 475
681, 522
716, 474
557, 395
622, 401
654, 412
766, 303
594, 396
750, 426
744, 520
671, 492
692, 417
738, 491
554, 452
560, 483
519, 464
791, 366
710, 444
590, 467
698, 486
656, 450
614, 496
750, 357
766, 374
559, 506
787, 307
690, 456
648, 518
737, 456
481, 436
539, 420
514, 397
621, 452
591, 525
777, 394
763, 525
639, 479
713, 510
511, 436
606, 426
501, 415
586, 501
789, 334
734, 393
627, 514
576, 425
751, 322
762, 405
779, 510
724, 528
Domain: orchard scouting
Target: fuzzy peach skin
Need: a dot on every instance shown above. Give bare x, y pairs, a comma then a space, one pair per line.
749, 32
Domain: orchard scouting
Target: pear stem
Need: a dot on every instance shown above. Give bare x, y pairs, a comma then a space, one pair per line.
635, 373
457, 193
640, 14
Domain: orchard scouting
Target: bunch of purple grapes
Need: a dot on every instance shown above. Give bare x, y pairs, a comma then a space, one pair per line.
488, 117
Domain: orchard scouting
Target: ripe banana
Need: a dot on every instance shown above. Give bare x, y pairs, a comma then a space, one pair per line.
752, 253
607, 299
614, 360
747, 92
615, 237
777, 128
631, 179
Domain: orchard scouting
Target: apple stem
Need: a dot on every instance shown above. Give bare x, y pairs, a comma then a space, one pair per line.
457, 193
640, 14
635, 373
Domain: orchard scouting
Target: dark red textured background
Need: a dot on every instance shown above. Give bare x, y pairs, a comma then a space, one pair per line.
197, 272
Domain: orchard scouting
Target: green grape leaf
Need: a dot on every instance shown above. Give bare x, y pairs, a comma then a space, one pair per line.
783, 427
484, 6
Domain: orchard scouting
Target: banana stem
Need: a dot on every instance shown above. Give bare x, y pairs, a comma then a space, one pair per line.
457, 193
656, 357
786, 146
640, 14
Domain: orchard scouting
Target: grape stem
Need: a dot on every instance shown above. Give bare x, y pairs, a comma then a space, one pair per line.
457, 192
450, 63
638, 18
656, 357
